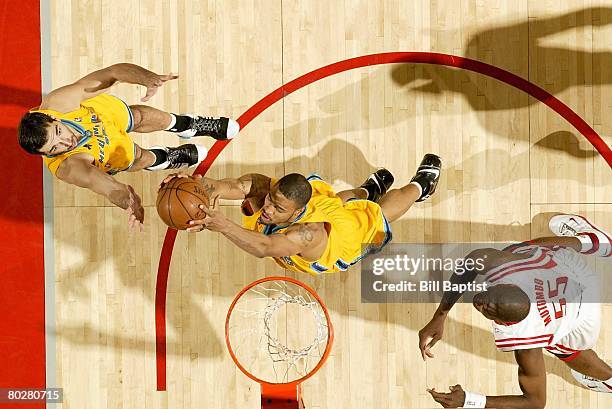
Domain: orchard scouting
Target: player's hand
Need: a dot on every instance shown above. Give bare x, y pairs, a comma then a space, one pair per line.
454, 399
153, 81
215, 220
135, 211
178, 175
429, 335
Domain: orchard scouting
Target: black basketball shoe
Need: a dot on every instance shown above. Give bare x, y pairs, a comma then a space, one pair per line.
183, 156
427, 175
377, 184
219, 128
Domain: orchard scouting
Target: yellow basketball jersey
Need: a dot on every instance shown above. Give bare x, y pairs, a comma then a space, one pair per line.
355, 229
103, 123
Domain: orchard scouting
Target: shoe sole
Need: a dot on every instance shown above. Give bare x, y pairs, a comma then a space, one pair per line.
583, 223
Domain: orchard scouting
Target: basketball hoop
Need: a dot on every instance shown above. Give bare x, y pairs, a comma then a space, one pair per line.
278, 332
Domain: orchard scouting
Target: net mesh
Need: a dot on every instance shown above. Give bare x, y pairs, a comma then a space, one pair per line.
278, 331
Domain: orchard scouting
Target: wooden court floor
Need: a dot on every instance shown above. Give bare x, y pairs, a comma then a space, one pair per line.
508, 162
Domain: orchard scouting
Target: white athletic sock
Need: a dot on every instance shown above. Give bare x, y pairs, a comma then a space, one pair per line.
172, 122
419, 187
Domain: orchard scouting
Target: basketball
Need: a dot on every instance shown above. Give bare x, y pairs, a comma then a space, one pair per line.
179, 200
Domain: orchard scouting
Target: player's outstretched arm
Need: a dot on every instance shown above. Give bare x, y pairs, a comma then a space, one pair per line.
79, 171
69, 97
532, 380
432, 332
259, 245
252, 185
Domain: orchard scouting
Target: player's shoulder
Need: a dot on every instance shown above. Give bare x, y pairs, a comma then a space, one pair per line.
59, 104
70, 98
72, 163
520, 266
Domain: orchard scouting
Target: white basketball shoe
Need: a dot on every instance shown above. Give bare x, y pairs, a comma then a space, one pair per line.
594, 240
592, 383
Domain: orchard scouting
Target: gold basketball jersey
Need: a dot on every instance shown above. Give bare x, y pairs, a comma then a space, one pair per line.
355, 229
103, 123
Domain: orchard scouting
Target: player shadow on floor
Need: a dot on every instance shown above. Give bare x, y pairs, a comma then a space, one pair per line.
365, 116
567, 142
530, 34
127, 250
494, 160
24, 98
12, 97
482, 93
18, 160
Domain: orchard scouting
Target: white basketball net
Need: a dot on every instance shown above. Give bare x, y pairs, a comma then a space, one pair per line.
278, 331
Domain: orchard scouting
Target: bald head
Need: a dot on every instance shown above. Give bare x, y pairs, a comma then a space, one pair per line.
503, 302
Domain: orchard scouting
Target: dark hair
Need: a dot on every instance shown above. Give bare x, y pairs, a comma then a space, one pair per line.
32, 131
295, 187
512, 303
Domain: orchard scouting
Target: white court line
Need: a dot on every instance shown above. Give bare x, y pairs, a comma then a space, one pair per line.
49, 249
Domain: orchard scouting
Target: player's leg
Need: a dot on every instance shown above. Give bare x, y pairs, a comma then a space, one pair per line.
161, 158
553, 241
588, 369
357, 193
143, 158
594, 240
575, 348
396, 202
588, 363
149, 119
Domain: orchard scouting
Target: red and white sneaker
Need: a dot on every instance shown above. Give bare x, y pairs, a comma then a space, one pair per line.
592, 383
594, 240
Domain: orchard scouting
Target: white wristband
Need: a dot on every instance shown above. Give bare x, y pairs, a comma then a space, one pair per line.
474, 400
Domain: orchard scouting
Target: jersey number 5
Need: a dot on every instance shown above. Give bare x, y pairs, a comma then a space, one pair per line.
552, 293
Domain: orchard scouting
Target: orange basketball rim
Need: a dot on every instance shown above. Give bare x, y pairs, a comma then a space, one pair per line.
279, 334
